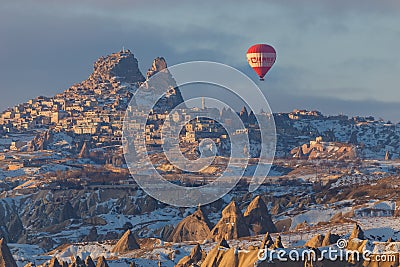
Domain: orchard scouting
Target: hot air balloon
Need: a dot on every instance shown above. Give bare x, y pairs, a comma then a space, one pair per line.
261, 57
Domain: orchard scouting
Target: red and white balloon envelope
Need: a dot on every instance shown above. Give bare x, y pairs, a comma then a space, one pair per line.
261, 57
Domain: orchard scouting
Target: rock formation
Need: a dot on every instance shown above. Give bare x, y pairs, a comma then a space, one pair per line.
388, 155
40, 141
78, 262
158, 65
120, 66
126, 243
101, 262
67, 212
6, 259
244, 115
258, 218
330, 239
162, 84
89, 262
84, 153
267, 241
356, 245
357, 233
278, 243
215, 256
302, 226
93, 235
195, 256
315, 242
14, 228
252, 118
231, 257
54, 263
223, 243
325, 150
195, 227
232, 225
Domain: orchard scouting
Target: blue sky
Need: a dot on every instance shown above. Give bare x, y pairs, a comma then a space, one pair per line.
335, 56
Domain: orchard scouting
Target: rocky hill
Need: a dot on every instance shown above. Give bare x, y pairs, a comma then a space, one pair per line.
114, 69
114, 78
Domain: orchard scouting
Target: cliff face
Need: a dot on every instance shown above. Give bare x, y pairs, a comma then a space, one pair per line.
159, 82
113, 70
158, 65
